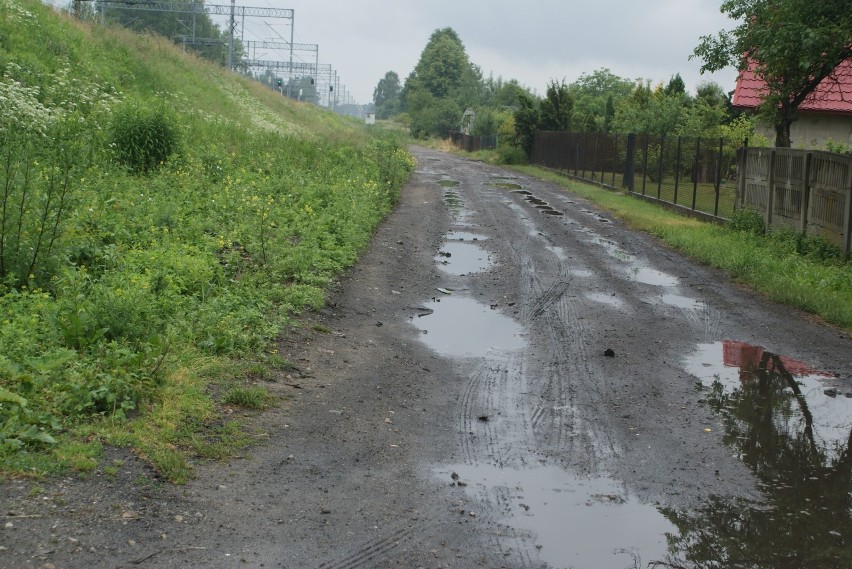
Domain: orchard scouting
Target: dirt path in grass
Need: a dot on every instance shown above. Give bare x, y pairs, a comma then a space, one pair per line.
508, 378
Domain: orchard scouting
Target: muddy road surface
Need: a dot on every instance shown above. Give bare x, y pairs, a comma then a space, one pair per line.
509, 378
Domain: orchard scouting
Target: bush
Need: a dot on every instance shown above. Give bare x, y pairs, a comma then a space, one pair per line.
143, 138
747, 220
510, 154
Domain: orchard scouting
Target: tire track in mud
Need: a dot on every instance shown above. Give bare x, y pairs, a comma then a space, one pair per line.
374, 550
532, 400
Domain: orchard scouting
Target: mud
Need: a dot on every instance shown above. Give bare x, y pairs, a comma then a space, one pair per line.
587, 398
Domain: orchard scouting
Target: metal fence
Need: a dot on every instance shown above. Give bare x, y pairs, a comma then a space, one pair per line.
803, 190
471, 143
697, 175
807, 191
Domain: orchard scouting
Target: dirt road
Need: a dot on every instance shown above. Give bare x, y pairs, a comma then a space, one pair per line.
509, 378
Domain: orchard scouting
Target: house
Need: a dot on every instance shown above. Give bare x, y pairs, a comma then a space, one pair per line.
824, 116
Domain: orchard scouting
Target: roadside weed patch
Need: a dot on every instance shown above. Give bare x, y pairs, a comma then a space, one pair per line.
146, 253
255, 397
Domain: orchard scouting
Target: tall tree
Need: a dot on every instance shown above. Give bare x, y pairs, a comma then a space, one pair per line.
792, 45
675, 86
386, 95
527, 119
443, 64
556, 107
442, 83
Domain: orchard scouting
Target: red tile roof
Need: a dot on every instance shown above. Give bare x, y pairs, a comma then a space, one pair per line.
833, 94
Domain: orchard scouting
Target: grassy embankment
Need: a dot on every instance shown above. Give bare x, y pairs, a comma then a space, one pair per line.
162, 222
783, 266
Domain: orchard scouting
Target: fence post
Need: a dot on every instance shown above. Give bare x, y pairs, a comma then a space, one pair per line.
614, 157
770, 185
660, 167
627, 181
595, 155
677, 170
847, 222
576, 158
806, 193
645, 165
695, 171
718, 176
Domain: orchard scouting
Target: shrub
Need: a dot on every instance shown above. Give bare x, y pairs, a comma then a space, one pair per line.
748, 221
143, 138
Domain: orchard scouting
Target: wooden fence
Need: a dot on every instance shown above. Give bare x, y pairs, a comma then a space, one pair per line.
472, 143
804, 190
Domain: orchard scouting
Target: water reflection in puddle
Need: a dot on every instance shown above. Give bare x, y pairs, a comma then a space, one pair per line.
582, 273
465, 236
458, 258
578, 522
681, 301
793, 430
652, 277
463, 327
604, 298
736, 369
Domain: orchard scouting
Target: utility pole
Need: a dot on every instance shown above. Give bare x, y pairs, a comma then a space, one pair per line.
292, 27
231, 26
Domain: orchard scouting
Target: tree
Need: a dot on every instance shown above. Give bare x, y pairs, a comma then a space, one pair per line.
792, 45
386, 95
596, 96
556, 107
675, 86
442, 65
440, 85
527, 119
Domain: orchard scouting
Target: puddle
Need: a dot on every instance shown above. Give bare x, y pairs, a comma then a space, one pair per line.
558, 252
508, 186
464, 236
459, 258
681, 301
453, 201
582, 273
540, 204
465, 328
613, 250
793, 430
741, 370
652, 277
578, 522
604, 298
448, 183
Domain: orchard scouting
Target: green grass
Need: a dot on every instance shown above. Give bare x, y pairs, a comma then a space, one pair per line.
254, 397
152, 289
771, 265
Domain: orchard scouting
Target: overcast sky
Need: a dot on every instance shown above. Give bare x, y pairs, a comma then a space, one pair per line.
532, 41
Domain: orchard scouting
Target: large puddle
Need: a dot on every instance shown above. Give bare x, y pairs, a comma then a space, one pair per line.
792, 428
459, 258
587, 523
462, 327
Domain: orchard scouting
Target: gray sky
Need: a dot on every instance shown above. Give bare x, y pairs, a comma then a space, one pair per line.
532, 41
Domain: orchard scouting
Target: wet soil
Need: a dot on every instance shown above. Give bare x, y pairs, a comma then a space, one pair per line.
558, 391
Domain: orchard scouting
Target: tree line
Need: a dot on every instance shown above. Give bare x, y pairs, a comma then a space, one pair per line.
445, 83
